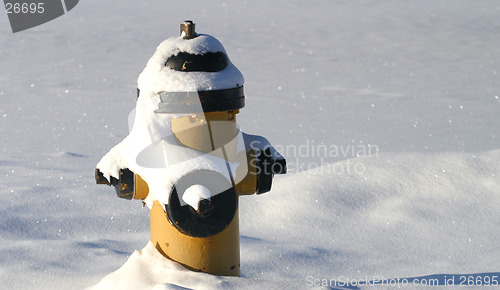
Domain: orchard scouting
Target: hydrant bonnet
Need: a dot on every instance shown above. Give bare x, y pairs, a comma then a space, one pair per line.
190, 70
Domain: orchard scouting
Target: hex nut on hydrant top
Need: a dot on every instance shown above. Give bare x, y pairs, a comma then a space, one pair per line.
185, 156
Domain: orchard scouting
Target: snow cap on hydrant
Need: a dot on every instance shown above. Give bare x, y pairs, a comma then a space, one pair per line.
185, 156
192, 69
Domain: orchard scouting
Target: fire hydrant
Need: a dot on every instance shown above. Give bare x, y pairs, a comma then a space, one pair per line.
185, 156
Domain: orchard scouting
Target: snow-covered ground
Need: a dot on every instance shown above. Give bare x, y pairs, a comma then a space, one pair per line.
388, 114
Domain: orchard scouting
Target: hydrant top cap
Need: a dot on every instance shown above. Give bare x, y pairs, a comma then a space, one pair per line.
193, 65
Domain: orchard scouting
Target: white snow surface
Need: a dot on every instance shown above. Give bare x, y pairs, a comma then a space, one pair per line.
387, 113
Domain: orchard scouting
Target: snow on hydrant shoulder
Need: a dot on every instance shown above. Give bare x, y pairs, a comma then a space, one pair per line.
185, 156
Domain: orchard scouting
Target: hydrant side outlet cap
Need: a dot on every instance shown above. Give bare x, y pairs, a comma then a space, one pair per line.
223, 205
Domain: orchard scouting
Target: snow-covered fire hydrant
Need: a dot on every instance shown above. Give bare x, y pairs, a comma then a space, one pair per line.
185, 156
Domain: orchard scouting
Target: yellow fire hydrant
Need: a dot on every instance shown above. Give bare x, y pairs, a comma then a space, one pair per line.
186, 157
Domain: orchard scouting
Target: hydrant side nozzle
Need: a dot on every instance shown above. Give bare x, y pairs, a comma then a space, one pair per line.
100, 179
125, 187
188, 29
